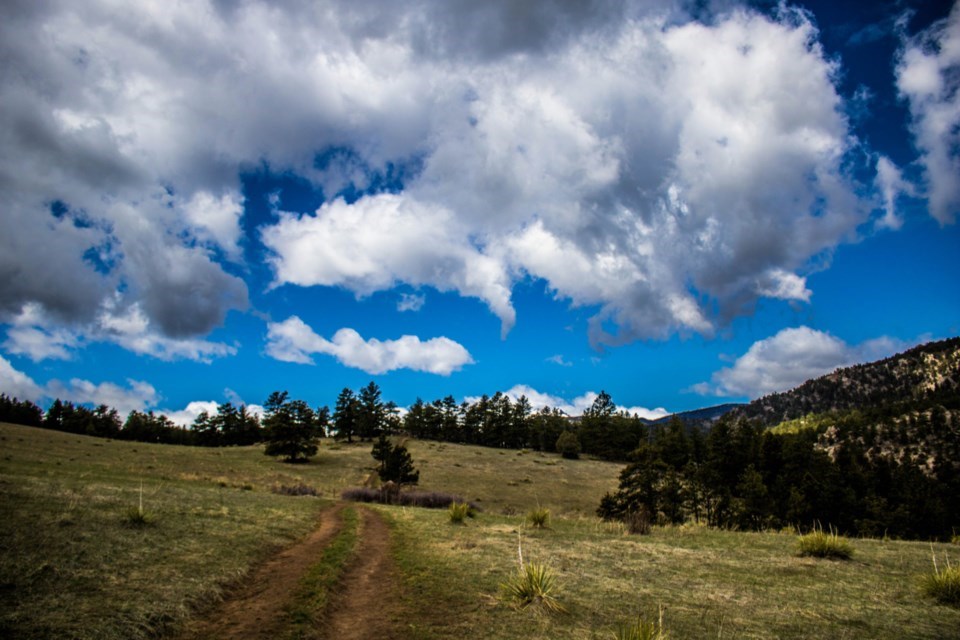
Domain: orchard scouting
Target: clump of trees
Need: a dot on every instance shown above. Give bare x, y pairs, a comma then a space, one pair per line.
395, 464
743, 475
291, 428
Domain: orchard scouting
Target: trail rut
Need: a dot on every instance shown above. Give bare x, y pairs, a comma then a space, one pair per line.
365, 605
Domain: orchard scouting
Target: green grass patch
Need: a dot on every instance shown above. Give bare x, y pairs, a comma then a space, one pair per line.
641, 629
538, 518
943, 585
71, 567
87, 555
313, 594
825, 544
458, 512
711, 583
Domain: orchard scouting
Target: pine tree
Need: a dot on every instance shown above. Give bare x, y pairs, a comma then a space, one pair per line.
346, 415
290, 428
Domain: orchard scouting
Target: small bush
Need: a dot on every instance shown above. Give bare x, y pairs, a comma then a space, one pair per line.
820, 544
539, 517
643, 630
943, 585
638, 521
459, 512
137, 518
424, 499
532, 584
298, 489
568, 445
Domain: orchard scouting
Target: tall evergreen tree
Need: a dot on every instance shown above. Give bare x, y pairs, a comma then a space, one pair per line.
289, 428
346, 415
370, 412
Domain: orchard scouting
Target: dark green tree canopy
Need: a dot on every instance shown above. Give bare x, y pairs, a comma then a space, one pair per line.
395, 462
291, 428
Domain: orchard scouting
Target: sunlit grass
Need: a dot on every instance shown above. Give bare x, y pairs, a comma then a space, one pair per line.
943, 584
825, 544
72, 567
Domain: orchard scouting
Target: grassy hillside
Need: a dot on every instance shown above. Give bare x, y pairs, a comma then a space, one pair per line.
75, 564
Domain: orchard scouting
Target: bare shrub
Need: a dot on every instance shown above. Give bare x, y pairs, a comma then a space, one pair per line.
424, 499
638, 521
299, 489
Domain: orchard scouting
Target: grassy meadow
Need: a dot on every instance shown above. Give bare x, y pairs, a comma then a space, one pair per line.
76, 563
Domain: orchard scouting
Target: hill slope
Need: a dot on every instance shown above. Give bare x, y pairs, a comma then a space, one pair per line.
925, 375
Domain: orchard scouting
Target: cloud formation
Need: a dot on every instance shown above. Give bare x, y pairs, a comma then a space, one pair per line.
790, 358
576, 406
663, 172
137, 395
293, 341
658, 174
928, 76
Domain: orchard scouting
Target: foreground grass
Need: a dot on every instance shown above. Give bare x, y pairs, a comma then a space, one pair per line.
313, 595
72, 565
710, 584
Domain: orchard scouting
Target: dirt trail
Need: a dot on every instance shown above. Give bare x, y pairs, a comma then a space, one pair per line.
365, 605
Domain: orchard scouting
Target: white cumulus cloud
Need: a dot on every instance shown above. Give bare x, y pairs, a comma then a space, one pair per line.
137, 395
664, 171
293, 341
574, 407
928, 76
790, 358
17, 384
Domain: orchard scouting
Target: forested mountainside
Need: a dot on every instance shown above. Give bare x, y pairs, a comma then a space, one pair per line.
872, 449
701, 419
921, 377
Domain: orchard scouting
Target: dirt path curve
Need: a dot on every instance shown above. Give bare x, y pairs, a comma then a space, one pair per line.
367, 606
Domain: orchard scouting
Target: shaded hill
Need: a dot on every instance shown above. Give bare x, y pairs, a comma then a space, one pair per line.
699, 418
923, 376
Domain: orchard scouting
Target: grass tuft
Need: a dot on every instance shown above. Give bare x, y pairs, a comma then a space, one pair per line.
943, 585
538, 518
137, 518
533, 585
459, 511
825, 544
642, 630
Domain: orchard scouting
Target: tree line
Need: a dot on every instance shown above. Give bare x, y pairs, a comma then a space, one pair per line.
889, 470
850, 472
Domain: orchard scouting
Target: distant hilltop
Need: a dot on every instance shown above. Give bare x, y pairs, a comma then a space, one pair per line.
923, 373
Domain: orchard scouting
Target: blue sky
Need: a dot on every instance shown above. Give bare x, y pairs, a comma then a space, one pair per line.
681, 203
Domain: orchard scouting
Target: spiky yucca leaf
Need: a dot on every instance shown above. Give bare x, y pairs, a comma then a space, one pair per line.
533, 584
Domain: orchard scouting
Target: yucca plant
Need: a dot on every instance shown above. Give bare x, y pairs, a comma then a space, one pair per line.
136, 516
533, 584
943, 585
825, 544
458, 512
539, 517
642, 630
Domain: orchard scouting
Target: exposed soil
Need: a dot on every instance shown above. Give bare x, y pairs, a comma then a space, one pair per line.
367, 604
364, 606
